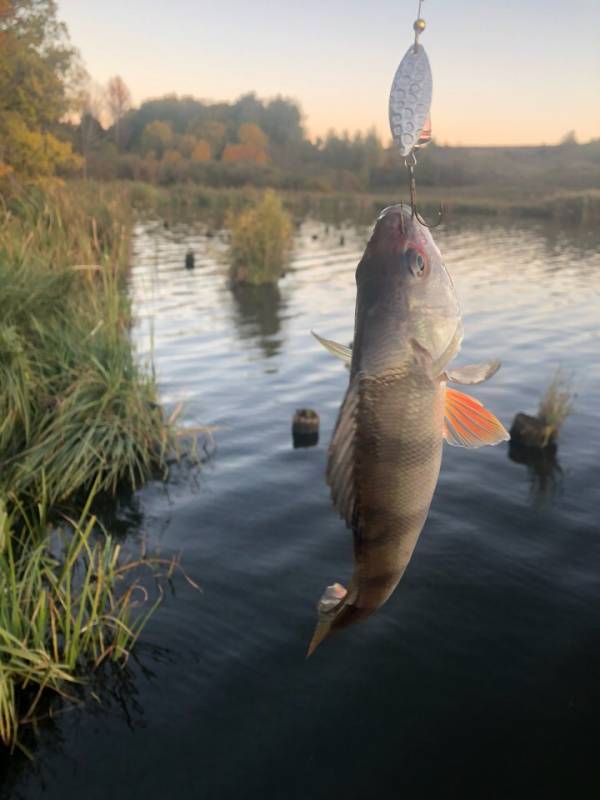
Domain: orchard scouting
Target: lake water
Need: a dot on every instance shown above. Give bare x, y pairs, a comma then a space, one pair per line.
481, 676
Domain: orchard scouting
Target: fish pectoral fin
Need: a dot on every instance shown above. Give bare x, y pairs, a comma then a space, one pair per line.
468, 423
335, 348
473, 373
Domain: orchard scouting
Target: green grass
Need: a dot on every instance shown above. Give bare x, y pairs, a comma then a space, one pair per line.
75, 407
260, 241
78, 416
556, 405
70, 601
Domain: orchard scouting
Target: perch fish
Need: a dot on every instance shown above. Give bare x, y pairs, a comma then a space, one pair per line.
386, 450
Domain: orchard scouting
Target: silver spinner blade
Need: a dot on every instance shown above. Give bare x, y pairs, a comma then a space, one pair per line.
410, 98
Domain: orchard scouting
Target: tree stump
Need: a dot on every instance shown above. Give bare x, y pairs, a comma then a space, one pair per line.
530, 432
305, 428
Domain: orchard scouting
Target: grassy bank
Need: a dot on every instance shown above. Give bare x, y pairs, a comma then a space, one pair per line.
70, 602
77, 415
181, 201
75, 408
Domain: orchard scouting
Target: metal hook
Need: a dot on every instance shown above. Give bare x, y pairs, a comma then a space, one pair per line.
412, 188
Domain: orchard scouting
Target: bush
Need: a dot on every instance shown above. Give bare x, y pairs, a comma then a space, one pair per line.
260, 241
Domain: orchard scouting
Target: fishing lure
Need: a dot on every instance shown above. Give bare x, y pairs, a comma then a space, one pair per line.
409, 105
410, 97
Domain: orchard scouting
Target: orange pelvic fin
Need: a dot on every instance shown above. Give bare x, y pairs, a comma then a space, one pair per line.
468, 423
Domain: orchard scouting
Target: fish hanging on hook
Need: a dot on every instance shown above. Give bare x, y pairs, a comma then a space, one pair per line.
410, 101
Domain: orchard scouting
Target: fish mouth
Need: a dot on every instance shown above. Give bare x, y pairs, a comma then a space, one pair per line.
397, 208
392, 225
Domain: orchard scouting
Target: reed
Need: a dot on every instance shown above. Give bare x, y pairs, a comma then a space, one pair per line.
189, 200
556, 405
75, 407
260, 241
70, 601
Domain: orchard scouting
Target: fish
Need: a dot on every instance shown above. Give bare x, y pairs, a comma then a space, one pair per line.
386, 450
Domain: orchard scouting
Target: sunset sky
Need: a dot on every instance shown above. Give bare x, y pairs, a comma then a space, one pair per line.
504, 72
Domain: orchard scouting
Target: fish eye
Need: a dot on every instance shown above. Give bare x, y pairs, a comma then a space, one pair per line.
416, 263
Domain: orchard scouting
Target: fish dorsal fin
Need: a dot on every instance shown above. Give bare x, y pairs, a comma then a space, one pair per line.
473, 373
335, 348
468, 423
340, 466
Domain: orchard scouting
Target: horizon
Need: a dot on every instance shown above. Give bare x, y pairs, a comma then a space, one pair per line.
308, 55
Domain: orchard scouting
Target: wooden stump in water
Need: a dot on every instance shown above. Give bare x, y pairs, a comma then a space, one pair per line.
305, 428
190, 260
531, 432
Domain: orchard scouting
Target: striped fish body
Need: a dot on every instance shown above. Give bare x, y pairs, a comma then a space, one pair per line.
397, 454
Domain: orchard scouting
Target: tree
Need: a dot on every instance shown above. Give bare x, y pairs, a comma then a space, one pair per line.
91, 106
212, 132
282, 121
252, 145
569, 138
38, 71
157, 137
118, 98
244, 152
249, 133
201, 151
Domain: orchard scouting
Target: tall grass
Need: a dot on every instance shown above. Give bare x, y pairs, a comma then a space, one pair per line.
75, 408
260, 241
77, 415
69, 602
556, 405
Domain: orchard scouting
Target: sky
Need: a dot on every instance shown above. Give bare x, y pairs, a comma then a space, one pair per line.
504, 72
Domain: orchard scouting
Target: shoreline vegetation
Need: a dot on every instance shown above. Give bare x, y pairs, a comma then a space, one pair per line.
260, 241
78, 418
570, 207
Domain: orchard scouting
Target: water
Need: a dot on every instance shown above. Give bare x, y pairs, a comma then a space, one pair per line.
480, 677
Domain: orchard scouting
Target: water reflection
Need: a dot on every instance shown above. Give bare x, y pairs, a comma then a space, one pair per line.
543, 468
258, 315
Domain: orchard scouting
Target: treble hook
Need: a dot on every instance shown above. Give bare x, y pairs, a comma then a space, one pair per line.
411, 163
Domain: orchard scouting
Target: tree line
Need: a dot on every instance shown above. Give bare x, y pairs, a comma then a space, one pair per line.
55, 121
172, 139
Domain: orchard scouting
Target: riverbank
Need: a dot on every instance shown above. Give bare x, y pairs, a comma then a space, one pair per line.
573, 207
76, 409
78, 417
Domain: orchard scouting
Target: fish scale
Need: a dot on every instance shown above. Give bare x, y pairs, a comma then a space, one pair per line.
398, 456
